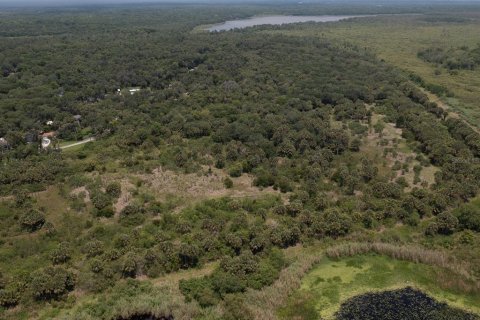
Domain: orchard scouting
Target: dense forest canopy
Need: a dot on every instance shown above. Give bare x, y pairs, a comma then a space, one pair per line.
297, 115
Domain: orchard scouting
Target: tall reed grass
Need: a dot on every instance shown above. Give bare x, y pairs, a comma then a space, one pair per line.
412, 253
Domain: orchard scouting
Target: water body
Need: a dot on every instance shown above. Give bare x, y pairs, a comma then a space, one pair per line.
407, 303
276, 20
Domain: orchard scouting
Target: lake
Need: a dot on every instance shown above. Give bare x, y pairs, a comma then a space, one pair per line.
275, 20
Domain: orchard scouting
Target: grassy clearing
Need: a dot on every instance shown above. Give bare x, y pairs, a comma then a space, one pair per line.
334, 281
400, 162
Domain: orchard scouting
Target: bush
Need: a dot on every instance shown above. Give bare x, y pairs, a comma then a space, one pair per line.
114, 190
469, 217
93, 248
189, 255
236, 308
333, 223
61, 254
235, 170
100, 200
199, 289
9, 297
132, 215
432, 229
228, 183
447, 223
129, 266
32, 220
51, 283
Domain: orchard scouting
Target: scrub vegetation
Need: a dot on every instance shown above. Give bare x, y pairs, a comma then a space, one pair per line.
215, 170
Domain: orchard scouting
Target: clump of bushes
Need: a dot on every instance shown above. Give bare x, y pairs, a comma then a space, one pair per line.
32, 220
61, 254
51, 283
234, 275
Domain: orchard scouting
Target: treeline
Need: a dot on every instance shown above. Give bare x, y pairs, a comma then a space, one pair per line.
452, 58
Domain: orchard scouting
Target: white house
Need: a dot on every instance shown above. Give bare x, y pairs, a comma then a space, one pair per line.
49, 123
46, 142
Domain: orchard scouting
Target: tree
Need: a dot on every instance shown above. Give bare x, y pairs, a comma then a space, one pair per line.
51, 283
447, 223
333, 223
189, 255
468, 217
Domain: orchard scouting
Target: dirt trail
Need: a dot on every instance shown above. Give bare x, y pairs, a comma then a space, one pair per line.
451, 111
175, 277
78, 143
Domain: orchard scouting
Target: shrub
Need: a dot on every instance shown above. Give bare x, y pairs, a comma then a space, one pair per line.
93, 248
264, 179
447, 223
100, 200
130, 265
469, 217
199, 289
294, 208
432, 229
132, 215
228, 183
386, 190
9, 297
32, 220
235, 170
51, 283
114, 189
189, 255
61, 254
235, 308
333, 223
96, 266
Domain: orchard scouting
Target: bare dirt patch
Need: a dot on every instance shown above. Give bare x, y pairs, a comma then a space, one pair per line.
124, 198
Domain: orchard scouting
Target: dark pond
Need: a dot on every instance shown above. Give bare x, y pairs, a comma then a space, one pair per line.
402, 304
274, 20
145, 316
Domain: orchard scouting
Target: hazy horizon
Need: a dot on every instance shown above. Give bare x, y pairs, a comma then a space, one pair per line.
36, 3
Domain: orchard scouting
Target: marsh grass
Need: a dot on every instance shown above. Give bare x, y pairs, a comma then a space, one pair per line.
415, 254
334, 281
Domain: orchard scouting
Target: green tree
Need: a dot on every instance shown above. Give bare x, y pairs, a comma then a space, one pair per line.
51, 283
